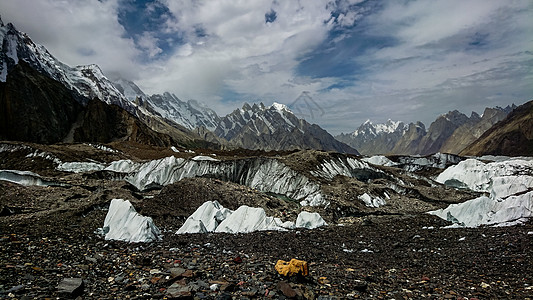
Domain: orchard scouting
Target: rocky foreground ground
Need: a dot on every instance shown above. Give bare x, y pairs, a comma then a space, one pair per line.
386, 257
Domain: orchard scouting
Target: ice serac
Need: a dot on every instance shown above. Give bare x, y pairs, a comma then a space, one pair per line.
372, 201
309, 220
205, 219
249, 219
23, 178
508, 182
213, 217
123, 223
502, 178
489, 211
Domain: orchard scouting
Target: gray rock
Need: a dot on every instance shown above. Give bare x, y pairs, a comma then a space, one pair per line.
71, 287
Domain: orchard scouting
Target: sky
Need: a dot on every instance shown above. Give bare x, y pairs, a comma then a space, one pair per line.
336, 63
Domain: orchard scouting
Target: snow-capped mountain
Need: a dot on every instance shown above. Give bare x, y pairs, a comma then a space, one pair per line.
275, 127
86, 82
190, 114
370, 138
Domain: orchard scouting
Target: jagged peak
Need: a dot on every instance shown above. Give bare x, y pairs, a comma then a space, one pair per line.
11, 27
246, 106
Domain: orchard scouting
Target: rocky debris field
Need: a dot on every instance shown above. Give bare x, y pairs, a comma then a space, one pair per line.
381, 257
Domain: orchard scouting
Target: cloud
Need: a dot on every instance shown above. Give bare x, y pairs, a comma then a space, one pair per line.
148, 42
76, 32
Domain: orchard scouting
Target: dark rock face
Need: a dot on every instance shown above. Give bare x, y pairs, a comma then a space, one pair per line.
440, 130
512, 136
472, 130
35, 108
408, 143
105, 123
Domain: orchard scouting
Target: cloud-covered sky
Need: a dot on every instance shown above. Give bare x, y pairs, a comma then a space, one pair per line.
349, 60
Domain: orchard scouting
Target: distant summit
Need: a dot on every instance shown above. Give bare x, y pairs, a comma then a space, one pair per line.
372, 138
275, 127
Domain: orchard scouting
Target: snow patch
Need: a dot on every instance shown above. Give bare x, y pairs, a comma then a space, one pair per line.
204, 158
380, 160
372, 201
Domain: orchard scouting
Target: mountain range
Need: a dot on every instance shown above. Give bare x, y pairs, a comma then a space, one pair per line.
186, 123
449, 133
46, 101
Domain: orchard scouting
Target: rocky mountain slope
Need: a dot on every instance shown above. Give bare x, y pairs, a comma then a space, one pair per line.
512, 136
86, 82
465, 134
82, 82
275, 127
35, 108
441, 129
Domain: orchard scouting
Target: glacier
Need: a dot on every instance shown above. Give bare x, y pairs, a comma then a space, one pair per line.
507, 183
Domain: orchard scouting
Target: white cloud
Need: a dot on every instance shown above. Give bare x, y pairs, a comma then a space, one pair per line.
238, 50
149, 43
